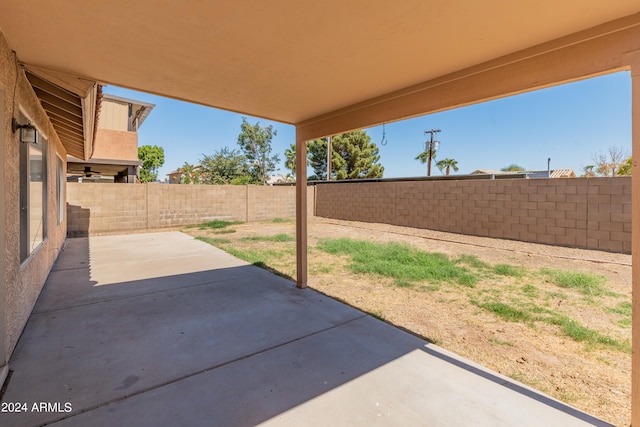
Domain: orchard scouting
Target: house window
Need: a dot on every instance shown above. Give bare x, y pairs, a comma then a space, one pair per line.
60, 189
33, 195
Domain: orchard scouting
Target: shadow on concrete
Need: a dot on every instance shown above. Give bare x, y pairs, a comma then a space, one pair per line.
235, 345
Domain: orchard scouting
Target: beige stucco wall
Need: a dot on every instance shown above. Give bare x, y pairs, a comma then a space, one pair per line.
113, 208
590, 213
24, 282
115, 144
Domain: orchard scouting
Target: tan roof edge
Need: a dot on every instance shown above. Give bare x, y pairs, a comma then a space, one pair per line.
90, 94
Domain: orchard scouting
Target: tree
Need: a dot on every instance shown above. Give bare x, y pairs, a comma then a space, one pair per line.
317, 158
627, 166
255, 142
447, 164
290, 163
424, 157
513, 168
609, 161
588, 171
224, 167
152, 158
355, 156
189, 174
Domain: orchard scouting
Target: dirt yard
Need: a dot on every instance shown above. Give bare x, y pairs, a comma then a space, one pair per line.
579, 353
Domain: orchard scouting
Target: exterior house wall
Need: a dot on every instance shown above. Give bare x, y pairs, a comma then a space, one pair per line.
113, 208
114, 116
115, 144
23, 281
592, 213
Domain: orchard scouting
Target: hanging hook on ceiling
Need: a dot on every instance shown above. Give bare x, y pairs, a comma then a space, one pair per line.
384, 141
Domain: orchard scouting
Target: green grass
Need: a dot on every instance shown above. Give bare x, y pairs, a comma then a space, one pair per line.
624, 308
500, 342
505, 311
530, 291
508, 270
626, 322
225, 231
213, 241
579, 332
217, 223
472, 261
530, 314
587, 284
280, 220
378, 315
399, 261
275, 238
403, 284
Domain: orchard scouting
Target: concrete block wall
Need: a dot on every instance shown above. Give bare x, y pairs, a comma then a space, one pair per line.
593, 213
179, 205
105, 208
116, 208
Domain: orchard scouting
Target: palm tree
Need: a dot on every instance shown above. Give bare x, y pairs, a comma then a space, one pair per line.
424, 157
290, 163
448, 164
588, 171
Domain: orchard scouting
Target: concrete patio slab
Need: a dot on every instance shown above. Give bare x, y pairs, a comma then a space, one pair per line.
193, 336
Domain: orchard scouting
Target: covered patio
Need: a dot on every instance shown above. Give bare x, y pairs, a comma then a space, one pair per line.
127, 332
326, 67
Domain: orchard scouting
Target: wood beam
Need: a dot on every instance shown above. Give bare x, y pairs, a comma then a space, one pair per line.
54, 109
634, 60
71, 127
301, 212
593, 52
64, 105
52, 89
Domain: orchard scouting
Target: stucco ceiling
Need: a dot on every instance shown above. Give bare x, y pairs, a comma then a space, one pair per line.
288, 60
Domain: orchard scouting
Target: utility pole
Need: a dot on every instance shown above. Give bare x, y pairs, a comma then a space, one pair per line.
329, 146
431, 146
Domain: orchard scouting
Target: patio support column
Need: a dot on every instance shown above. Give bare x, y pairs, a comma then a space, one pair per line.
634, 60
301, 211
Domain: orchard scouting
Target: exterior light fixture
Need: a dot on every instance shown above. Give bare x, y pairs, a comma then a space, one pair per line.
28, 132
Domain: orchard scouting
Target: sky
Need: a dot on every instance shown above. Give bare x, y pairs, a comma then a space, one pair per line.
568, 123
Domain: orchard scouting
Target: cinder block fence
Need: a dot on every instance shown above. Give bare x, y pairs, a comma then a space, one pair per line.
593, 213
113, 208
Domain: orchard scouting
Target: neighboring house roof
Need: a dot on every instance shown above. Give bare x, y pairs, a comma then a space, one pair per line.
556, 173
491, 172
279, 179
140, 109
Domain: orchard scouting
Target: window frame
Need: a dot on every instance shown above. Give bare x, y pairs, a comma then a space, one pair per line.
29, 178
60, 189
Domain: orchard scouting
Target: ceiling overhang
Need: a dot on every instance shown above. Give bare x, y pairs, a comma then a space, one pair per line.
72, 106
102, 167
606, 48
288, 60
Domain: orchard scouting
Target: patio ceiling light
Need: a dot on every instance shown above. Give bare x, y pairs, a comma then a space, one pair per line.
28, 132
